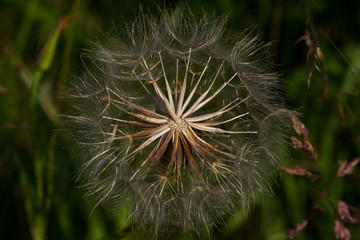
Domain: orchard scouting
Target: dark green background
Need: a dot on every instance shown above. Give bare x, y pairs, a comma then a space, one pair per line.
38, 196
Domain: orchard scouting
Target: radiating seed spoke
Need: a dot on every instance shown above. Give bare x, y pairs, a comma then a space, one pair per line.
203, 152
209, 146
175, 143
223, 122
169, 107
161, 131
215, 94
201, 97
136, 123
190, 157
156, 153
197, 84
135, 106
166, 82
218, 130
147, 119
183, 88
216, 114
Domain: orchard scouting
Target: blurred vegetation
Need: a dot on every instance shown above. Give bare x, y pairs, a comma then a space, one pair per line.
40, 46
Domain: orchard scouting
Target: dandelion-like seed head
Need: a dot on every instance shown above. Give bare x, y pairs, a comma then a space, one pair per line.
179, 119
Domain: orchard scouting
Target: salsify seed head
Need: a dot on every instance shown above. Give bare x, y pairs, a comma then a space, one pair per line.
177, 118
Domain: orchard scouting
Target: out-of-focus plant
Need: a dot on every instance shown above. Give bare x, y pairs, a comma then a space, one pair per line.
327, 200
37, 181
342, 211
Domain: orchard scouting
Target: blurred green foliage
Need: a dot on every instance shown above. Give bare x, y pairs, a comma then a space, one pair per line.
40, 46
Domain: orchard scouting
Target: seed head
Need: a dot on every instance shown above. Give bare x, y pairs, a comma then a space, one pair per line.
177, 118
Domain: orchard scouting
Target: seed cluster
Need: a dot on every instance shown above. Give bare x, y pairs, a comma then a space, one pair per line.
177, 121
179, 125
